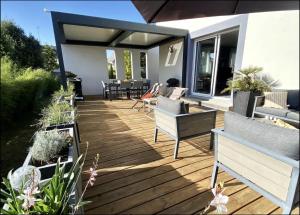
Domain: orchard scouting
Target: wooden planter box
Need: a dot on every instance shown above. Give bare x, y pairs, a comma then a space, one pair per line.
48, 170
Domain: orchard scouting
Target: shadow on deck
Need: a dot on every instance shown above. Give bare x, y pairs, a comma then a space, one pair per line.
136, 176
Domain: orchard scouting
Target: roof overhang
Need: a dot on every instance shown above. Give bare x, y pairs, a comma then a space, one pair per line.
167, 10
94, 31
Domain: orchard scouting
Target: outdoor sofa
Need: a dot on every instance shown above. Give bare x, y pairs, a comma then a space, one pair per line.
289, 114
263, 156
172, 118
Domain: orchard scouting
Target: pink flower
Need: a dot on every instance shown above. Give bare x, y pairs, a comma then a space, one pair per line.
219, 201
92, 173
28, 197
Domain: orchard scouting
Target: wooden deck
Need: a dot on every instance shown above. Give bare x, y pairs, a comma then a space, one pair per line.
136, 176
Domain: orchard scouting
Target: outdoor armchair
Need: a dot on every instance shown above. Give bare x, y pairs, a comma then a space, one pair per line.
263, 156
290, 111
172, 118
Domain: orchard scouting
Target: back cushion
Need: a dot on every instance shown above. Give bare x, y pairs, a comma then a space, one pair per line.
284, 141
276, 99
171, 106
176, 93
293, 99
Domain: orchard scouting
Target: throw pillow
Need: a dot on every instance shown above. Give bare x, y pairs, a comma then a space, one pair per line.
177, 93
276, 99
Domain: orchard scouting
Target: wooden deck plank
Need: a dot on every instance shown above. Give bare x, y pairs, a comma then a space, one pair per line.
149, 183
136, 176
197, 203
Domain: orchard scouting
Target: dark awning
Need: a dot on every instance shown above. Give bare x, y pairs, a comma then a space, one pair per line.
166, 10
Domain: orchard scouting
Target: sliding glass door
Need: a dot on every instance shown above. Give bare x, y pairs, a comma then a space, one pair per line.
205, 54
214, 63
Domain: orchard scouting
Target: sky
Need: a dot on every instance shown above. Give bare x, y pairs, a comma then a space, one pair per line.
30, 15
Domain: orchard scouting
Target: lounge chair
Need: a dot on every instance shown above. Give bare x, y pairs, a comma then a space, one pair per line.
263, 156
148, 97
172, 118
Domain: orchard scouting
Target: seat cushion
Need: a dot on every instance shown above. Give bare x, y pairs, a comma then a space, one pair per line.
283, 141
272, 111
293, 115
171, 106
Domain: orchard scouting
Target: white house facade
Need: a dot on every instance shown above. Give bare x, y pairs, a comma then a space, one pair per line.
267, 39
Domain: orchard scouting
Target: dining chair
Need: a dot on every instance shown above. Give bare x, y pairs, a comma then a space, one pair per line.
125, 87
105, 90
137, 87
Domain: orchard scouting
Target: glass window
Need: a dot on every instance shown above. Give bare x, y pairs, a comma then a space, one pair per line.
111, 63
143, 64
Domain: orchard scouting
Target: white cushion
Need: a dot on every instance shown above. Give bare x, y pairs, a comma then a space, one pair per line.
177, 93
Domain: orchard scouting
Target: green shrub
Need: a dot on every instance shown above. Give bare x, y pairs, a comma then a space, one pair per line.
56, 114
23, 90
47, 145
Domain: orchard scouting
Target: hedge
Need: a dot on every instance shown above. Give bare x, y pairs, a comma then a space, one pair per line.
23, 89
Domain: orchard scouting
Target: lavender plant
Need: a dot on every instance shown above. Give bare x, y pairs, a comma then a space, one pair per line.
48, 144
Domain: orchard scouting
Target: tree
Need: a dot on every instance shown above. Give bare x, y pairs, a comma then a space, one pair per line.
24, 50
49, 58
127, 62
111, 72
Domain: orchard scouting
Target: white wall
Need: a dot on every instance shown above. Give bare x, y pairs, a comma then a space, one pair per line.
269, 40
89, 63
152, 64
195, 24
272, 42
170, 65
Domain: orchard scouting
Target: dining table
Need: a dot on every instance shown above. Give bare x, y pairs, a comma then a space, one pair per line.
114, 87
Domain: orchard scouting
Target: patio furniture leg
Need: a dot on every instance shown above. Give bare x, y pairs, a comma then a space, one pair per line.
176, 149
214, 175
292, 192
143, 106
155, 135
136, 102
211, 144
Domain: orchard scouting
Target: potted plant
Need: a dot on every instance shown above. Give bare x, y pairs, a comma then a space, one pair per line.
60, 195
245, 85
47, 147
59, 116
64, 95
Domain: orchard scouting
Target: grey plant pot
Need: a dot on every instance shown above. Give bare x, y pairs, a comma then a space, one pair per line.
243, 102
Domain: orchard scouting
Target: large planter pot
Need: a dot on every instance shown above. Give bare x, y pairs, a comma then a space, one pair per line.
243, 102
48, 170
